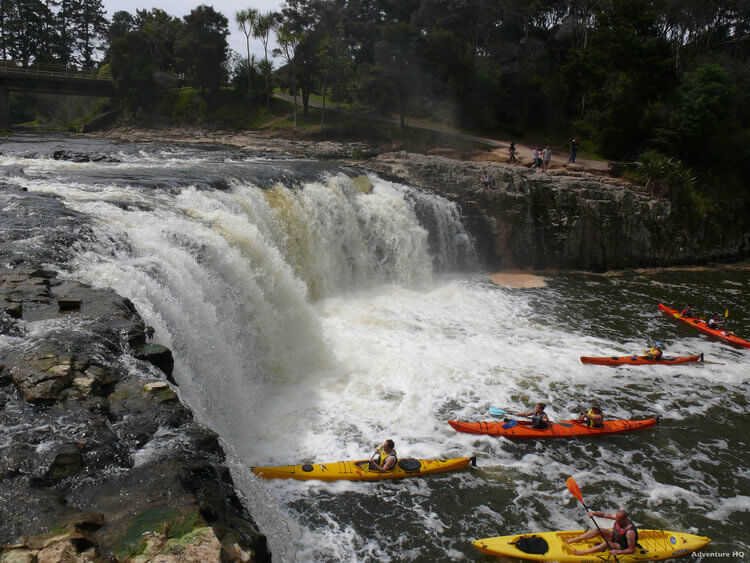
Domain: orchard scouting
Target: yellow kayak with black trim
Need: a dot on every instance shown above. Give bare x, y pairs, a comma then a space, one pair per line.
358, 470
653, 545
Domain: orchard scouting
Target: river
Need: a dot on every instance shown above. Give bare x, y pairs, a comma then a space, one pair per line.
314, 311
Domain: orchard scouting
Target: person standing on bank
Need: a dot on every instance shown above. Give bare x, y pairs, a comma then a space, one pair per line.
574, 146
512, 153
484, 181
546, 156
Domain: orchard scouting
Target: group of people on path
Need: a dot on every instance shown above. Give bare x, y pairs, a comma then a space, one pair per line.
541, 156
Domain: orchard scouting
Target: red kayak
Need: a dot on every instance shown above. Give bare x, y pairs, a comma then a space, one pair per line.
698, 324
524, 429
640, 360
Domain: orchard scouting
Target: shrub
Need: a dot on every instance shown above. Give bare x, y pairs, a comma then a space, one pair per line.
189, 106
666, 175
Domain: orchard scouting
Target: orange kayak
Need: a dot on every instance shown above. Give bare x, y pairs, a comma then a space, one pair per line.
640, 360
698, 324
524, 429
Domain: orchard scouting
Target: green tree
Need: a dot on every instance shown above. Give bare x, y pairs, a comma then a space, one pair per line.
133, 71
121, 23
398, 65
26, 31
289, 39
201, 48
67, 15
160, 31
90, 27
623, 73
247, 21
262, 30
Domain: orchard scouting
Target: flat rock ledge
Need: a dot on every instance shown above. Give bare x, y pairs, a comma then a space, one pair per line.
99, 460
566, 219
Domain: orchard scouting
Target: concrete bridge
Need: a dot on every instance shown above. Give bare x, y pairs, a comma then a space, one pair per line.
49, 79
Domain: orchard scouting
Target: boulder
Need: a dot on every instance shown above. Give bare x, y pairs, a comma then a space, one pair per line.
160, 392
59, 463
157, 355
43, 378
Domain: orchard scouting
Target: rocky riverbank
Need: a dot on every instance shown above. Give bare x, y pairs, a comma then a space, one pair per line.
568, 218
99, 460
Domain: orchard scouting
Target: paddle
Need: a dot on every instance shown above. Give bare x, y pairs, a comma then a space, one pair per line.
494, 411
576, 492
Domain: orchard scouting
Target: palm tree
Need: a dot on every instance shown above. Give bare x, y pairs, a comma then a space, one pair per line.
263, 26
247, 20
289, 40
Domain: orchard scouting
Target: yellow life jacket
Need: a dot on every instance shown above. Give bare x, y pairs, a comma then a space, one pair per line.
590, 420
383, 455
654, 352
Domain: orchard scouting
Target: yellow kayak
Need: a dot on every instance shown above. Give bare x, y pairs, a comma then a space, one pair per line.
652, 546
358, 470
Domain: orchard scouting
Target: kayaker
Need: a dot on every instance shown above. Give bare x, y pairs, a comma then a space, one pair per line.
594, 418
715, 322
539, 420
622, 538
687, 312
654, 353
384, 459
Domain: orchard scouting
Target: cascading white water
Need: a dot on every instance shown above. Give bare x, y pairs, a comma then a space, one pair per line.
229, 281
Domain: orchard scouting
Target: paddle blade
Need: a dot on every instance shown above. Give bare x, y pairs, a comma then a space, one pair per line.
565, 424
573, 488
497, 412
726, 314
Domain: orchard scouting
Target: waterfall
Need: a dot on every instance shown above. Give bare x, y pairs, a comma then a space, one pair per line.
230, 279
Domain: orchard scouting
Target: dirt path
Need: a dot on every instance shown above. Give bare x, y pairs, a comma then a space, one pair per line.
499, 153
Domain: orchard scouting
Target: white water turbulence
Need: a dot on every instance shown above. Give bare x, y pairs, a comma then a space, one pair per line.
312, 318
229, 280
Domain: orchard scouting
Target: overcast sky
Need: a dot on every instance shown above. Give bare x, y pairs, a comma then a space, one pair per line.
180, 8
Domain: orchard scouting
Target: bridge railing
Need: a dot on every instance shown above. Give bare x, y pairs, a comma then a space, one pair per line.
41, 69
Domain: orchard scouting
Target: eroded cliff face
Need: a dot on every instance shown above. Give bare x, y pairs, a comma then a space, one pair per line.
565, 219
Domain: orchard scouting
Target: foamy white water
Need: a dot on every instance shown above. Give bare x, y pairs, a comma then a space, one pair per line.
311, 323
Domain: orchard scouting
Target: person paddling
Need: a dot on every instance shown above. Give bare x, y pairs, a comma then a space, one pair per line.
622, 539
687, 312
385, 458
539, 420
716, 322
594, 418
655, 352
